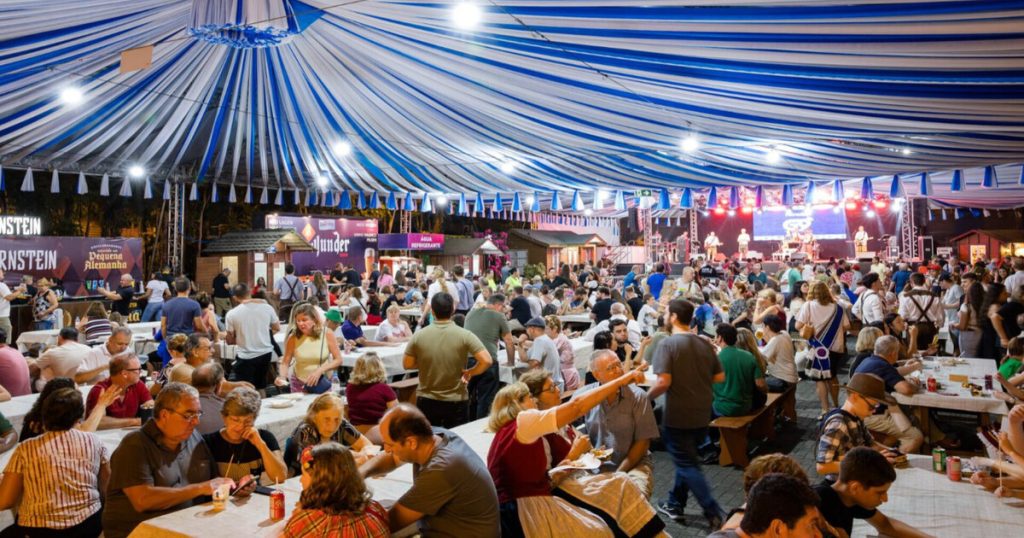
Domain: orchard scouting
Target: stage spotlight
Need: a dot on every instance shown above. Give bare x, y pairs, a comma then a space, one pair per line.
869, 213
466, 15
719, 211
836, 209
851, 206
731, 212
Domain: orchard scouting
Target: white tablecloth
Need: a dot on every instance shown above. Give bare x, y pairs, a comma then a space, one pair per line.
415, 313
250, 517
952, 395
930, 502
143, 333
577, 318
16, 408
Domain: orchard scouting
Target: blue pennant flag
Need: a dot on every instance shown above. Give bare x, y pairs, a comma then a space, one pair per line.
577, 201
896, 187
867, 192
556, 203
517, 205
990, 179
391, 203
713, 198
345, 200
925, 186
425, 203
759, 196
1020, 180
310, 198
3, 180
838, 193
535, 206
463, 206
787, 196
407, 203
664, 201
329, 199
478, 206
734, 198
620, 201
958, 181
809, 196
686, 200
499, 205
374, 201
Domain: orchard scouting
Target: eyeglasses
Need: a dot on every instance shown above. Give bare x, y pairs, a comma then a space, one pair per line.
133, 369
552, 388
189, 417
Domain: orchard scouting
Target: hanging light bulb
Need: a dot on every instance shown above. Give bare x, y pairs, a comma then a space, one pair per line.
772, 156
690, 143
466, 15
71, 96
136, 171
342, 148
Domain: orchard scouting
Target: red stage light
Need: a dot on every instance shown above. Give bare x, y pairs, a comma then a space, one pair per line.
719, 211
747, 210
851, 205
880, 204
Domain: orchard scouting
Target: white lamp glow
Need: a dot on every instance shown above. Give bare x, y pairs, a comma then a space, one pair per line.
342, 148
321, 180
136, 171
71, 96
466, 15
772, 156
442, 199
508, 167
690, 143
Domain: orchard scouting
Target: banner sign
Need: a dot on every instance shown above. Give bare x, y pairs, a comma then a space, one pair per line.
410, 241
80, 264
12, 225
349, 241
823, 222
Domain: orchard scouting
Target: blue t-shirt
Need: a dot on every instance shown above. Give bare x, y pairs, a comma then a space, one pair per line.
180, 311
351, 331
655, 283
900, 278
878, 366
628, 280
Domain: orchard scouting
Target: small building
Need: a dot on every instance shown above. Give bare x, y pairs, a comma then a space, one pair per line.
469, 252
985, 244
250, 255
553, 248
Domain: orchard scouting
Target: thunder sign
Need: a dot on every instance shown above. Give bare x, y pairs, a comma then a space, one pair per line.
349, 241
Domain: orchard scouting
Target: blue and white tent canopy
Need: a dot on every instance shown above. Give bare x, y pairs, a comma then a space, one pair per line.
542, 96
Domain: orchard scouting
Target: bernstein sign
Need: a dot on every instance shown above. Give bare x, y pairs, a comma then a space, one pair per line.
81, 264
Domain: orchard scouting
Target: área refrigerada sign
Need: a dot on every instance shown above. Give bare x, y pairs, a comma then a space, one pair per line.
20, 226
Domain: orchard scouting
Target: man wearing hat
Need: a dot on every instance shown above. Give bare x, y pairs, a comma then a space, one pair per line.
333, 321
842, 429
883, 365
539, 351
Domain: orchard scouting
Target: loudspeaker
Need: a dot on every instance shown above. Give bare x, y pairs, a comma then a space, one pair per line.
925, 246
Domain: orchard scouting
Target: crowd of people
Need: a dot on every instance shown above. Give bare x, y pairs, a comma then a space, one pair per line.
671, 354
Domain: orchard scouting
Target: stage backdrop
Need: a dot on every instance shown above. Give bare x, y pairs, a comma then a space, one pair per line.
349, 241
81, 263
766, 230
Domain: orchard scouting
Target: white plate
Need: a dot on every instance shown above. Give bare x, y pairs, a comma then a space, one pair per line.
587, 462
281, 404
291, 396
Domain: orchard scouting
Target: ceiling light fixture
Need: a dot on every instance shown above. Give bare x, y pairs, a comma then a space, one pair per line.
508, 167
71, 96
342, 148
690, 143
772, 156
466, 15
136, 171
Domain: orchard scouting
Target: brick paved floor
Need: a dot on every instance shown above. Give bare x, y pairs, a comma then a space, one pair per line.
796, 439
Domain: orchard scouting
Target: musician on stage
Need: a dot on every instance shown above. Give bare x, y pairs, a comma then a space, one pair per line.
711, 244
860, 241
807, 243
683, 247
743, 240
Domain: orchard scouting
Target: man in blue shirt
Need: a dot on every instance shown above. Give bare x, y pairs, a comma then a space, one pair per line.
352, 329
181, 315
630, 277
656, 280
900, 278
883, 365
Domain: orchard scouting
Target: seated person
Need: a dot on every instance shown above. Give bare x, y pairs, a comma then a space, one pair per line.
239, 449
1011, 443
623, 422
883, 365
864, 478
451, 493
198, 350
393, 328
207, 379
352, 329
734, 396
368, 393
1010, 368
334, 498
95, 365
124, 411
842, 429
162, 467
60, 361
8, 436
779, 506
324, 422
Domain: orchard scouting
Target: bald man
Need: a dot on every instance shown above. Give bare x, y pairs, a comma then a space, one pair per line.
452, 492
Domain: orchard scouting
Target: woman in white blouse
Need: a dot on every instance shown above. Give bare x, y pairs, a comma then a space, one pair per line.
779, 354
393, 329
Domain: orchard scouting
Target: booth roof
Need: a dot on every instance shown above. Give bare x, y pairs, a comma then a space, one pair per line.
467, 246
551, 238
257, 241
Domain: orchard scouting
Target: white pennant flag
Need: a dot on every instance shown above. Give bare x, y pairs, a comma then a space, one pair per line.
279, 197
126, 188
83, 187
105, 185
167, 189
29, 184
55, 182
231, 194
193, 193
147, 190
265, 196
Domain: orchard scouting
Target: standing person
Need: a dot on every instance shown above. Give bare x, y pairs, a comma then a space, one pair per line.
923, 311
464, 289
711, 244
250, 328
288, 290
60, 477
181, 315
952, 296
352, 277
687, 368
6, 296
995, 298
44, 303
519, 309
122, 298
860, 241
222, 292
743, 240
825, 321
541, 353
163, 467
900, 278
968, 326
452, 493
315, 352
490, 326
602, 309
656, 280
14, 375
157, 291
439, 351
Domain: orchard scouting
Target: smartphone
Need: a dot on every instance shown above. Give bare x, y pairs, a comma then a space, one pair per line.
242, 483
645, 334
264, 490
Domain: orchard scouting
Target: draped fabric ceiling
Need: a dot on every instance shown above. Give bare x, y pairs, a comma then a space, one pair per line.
542, 96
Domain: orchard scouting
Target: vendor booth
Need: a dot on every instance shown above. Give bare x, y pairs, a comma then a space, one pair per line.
469, 252
250, 255
554, 248
985, 244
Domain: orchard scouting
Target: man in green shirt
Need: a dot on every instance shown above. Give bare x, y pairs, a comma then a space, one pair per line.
488, 323
440, 352
734, 396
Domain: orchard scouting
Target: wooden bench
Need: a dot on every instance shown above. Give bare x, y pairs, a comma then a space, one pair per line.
737, 431
406, 389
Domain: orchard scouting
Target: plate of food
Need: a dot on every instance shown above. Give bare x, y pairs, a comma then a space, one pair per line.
602, 453
291, 396
586, 462
281, 404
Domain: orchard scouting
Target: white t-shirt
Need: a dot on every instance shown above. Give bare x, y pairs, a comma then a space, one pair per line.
158, 287
818, 316
649, 318
780, 355
5, 305
545, 352
251, 323
386, 329
435, 287
60, 361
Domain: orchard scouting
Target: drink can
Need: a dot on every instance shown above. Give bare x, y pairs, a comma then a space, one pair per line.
988, 382
939, 459
932, 384
953, 468
276, 505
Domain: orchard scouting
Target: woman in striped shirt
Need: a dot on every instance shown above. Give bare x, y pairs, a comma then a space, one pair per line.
95, 325
58, 476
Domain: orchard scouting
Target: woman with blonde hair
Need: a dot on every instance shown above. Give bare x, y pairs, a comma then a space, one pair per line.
314, 350
865, 346
368, 393
746, 340
324, 422
566, 355
821, 319
766, 305
393, 328
439, 284
334, 499
317, 290
532, 436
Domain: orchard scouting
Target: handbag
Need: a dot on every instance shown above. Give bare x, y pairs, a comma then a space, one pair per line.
820, 365
323, 384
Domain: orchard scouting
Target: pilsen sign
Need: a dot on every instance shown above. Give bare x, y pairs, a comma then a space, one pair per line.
20, 226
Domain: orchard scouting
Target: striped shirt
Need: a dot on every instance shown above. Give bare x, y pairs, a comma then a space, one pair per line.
98, 330
60, 476
372, 523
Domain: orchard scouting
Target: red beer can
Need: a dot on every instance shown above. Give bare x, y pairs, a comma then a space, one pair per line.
953, 468
276, 505
932, 384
